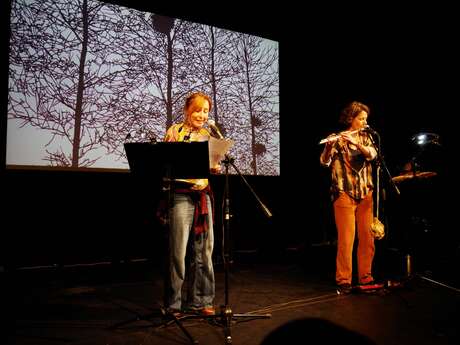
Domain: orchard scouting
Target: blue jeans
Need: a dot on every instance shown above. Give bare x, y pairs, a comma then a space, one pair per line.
201, 287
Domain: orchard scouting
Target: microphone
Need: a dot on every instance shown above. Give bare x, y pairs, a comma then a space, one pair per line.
215, 129
368, 128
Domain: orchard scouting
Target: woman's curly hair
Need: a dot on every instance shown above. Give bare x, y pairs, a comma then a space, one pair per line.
351, 111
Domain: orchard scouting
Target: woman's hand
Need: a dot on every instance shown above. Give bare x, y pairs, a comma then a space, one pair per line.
216, 169
331, 140
350, 138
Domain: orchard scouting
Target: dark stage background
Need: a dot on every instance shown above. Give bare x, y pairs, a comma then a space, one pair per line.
402, 62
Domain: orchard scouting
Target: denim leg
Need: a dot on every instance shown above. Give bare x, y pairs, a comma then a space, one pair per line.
202, 290
181, 218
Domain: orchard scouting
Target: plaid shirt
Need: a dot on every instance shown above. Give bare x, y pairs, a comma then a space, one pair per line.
351, 170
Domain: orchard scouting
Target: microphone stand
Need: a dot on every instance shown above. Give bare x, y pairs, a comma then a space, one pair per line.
380, 161
227, 315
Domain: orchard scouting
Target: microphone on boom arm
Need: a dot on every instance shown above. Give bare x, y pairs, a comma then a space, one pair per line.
215, 129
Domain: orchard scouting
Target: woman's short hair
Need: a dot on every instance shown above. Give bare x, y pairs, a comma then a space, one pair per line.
352, 110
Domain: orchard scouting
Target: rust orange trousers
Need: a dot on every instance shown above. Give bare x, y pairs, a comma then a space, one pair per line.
351, 215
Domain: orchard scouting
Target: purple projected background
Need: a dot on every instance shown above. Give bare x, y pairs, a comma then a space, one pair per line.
85, 75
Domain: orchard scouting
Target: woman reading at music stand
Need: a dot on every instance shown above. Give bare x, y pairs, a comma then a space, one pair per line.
191, 215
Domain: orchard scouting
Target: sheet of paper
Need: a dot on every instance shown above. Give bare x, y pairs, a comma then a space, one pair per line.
218, 148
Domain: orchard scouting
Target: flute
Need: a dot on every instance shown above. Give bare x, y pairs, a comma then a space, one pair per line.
335, 137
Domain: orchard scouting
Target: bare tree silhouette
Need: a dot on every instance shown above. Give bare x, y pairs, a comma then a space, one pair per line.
60, 57
92, 73
152, 81
220, 67
255, 87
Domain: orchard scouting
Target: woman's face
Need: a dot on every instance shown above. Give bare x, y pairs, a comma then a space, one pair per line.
359, 121
197, 113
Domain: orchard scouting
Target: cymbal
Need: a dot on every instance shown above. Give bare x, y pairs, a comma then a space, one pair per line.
423, 139
410, 175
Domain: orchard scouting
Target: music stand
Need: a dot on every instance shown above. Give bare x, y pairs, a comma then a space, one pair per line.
162, 163
169, 159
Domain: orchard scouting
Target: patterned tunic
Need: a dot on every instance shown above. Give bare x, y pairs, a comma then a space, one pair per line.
351, 170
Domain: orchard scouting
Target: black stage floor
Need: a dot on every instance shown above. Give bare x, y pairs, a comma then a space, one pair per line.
89, 304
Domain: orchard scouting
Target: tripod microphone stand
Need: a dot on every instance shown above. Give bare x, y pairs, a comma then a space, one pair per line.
227, 314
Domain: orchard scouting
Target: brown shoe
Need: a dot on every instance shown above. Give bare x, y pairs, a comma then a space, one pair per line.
207, 311
173, 312
344, 289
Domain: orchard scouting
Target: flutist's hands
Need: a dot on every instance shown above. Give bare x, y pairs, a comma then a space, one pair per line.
331, 139
354, 142
352, 139
347, 136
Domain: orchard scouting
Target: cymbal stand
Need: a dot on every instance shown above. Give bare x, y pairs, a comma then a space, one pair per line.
409, 268
410, 273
